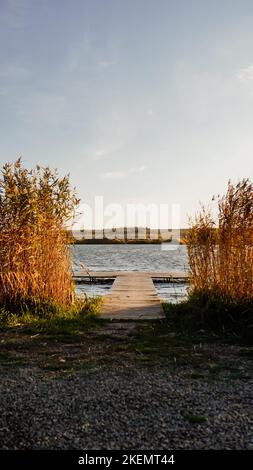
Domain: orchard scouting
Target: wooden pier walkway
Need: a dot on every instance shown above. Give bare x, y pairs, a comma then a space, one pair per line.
133, 295
110, 275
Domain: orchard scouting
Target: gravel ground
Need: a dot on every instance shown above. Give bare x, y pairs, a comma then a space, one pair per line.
137, 407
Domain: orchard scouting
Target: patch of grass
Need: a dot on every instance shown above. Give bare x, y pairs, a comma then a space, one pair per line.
210, 313
196, 375
229, 372
11, 359
199, 354
195, 419
247, 352
65, 346
159, 342
50, 315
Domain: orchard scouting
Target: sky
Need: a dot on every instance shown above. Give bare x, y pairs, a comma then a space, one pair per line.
141, 101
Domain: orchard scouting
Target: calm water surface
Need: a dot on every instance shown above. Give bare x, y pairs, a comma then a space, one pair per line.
129, 258
132, 258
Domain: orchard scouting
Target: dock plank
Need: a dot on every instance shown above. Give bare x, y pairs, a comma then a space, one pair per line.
113, 274
132, 296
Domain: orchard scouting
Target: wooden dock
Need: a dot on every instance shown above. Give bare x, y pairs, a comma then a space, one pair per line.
94, 276
133, 295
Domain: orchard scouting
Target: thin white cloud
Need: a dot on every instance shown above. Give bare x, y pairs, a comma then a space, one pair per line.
107, 150
42, 109
114, 175
139, 169
114, 131
79, 55
123, 174
12, 71
245, 74
104, 64
14, 15
100, 154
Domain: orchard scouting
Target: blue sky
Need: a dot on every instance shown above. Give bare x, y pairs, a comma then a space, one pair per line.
142, 101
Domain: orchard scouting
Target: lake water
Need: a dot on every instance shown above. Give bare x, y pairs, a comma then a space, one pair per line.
129, 258
132, 258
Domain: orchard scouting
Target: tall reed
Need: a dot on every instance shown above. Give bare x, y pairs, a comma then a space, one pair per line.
35, 263
221, 254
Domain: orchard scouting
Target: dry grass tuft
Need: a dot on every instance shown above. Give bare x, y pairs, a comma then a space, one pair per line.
221, 258
35, 263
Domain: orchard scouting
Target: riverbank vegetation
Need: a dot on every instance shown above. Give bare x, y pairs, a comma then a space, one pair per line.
35, 261
221, 266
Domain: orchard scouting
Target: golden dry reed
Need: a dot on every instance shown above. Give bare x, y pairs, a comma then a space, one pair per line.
221, 253
35, 263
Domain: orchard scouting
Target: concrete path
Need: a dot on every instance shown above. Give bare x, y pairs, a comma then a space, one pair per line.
132, 297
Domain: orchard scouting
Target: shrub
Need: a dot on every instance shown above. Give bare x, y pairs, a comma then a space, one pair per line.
221, 257
35, 262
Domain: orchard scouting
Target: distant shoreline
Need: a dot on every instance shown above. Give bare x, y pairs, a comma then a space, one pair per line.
104, 241
123, 242
137, 237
